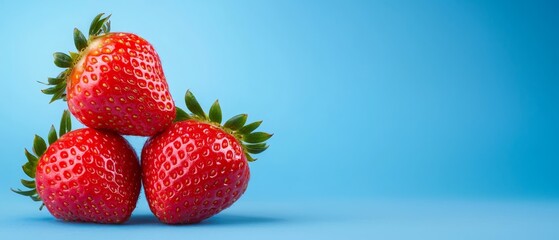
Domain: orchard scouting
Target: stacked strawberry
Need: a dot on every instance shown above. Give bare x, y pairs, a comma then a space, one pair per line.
198, 167
84, 175
114, 84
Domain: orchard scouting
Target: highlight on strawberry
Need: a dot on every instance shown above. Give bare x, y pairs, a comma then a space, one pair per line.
85, 175
198, 167
113, 81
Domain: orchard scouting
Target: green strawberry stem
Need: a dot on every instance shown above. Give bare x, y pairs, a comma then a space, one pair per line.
57, 86
39, 148
252, 142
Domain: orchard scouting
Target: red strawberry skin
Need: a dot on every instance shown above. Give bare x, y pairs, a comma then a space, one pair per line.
118, 84
89, 176
192, 171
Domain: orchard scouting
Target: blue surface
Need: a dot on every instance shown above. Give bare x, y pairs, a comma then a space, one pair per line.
327, 219
402, 100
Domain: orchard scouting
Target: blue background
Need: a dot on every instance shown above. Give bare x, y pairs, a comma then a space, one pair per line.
394, 119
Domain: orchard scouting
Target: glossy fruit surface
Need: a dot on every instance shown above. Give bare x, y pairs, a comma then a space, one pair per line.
115, 82
86, 175
118, 84
192, 171
89, 175
197, 167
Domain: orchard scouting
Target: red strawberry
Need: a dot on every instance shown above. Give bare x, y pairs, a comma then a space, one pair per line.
114, 82
196, 168
86, 175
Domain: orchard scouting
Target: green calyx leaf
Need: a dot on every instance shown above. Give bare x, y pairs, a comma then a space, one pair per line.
39, 145
65, 123
36, 198
59, 95
62, 60
25, 193
30, 157
55, 89
106, 28
257, 137
215, 112
79, 40
57, 85
55, 81
29, 169
252, 142
256, 148
94, 23
39, 148
249, 127
99, 25
30, 193
52, 137
28, 184
193, 105
181, 115
236, 122
250, 158
75, 56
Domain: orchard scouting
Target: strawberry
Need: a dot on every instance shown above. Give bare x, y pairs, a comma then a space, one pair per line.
197, 167
86, 175
115, 81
